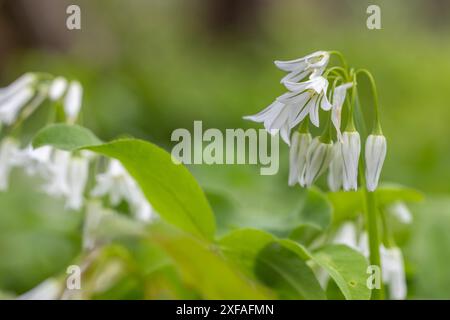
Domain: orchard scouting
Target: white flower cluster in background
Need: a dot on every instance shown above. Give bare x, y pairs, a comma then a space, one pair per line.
63, 174
309, 91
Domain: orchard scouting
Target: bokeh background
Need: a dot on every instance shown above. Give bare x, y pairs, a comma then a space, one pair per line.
151, 66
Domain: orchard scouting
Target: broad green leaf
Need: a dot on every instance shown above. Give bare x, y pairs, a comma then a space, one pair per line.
65, 137
348, 269
263, 257
171, 189
284, 271
204, 268
316, 210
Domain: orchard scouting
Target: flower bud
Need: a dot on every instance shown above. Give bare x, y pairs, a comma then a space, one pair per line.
297, 157
318, 159
350, 148
375, 155
336, 168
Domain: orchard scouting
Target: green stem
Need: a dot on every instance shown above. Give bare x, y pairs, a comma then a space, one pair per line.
377, 126
341, 57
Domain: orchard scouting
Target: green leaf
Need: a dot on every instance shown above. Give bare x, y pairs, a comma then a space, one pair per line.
348, 269
171, 189
261, 256
316, 210
283, 270
65, 137
204, 268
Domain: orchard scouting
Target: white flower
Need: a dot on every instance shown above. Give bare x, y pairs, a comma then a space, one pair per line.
291, 108
34, 161
401, 212
335, 171
318, 158
11, 105
338, 101
57, 184
297, 158
119, 185
313, 64
8, 150
77, 176
375, 155
351, 148
394, 272
50, 289
72, 101
57, 88
95, 213
346, 234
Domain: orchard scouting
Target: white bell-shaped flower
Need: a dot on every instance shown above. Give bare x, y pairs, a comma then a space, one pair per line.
339, 95
374, 155
297, 157
9, 148
57, 88
72, 101
318, 159
77, 176
350, 148
335, 172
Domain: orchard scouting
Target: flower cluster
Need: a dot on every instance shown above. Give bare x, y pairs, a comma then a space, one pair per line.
63, 174
308, 87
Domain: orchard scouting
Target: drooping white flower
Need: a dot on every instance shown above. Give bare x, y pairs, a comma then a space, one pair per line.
393, 272
374, 155
77, 176
338, 101
57, 88
11, 106
9, 147
350, 148
57, 183
400, 211
291, 108
72, 101
34, 160
95, 213
23, 81
318, 158
297, 157
119, 185
49, 289
335, 172
311, 65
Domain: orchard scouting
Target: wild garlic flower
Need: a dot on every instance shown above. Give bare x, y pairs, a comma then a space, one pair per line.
9, 148
350, 148
57, 88
375, 155
15, 96
77, 176
34, 160
318, 158
339, 95
289, 109
95, 213
120, 186
297, 157
335, 172
311, 65
400, 211
394, 272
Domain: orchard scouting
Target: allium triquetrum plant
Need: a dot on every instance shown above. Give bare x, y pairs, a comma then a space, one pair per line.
149, 232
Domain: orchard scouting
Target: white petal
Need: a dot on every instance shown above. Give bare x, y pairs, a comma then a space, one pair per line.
350, 148
335, 173
57, 88
375, 154
10, 107
72, 101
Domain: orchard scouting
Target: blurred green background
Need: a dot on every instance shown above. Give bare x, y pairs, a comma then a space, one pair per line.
149, 67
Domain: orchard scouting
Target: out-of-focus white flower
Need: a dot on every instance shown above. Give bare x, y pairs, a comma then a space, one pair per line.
336, 111
95, 213
401, 212
394, 272
34, 160
291, 108
318, 158
346, 234
392, 266
77, 176
9, 148
119, 185
350, 148
297, 157
50, 289
72, 101
375, 155
11, 107
57, 184
311, 65
335, 172
57, 88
